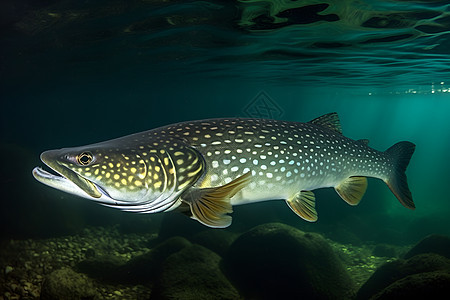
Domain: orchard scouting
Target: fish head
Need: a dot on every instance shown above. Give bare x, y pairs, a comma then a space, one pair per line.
133, 178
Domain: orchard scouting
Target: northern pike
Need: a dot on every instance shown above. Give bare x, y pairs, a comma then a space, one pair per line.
205, 167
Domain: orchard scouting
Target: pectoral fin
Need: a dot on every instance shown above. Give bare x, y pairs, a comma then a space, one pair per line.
303, 204
210, 206
352, 189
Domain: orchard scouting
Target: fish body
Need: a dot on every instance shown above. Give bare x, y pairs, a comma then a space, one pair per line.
205, 167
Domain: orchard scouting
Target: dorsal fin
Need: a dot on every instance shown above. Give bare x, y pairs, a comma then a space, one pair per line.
329, 121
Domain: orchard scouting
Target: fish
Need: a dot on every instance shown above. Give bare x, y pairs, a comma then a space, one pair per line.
204, 168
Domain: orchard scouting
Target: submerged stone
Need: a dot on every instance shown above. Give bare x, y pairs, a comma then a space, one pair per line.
391, 272
193, 273
104, 267
67, 284
146, 267
276, 261
435, 243
385, 250
217, 240
430, 285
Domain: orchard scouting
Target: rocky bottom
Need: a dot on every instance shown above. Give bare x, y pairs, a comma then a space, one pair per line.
101, 263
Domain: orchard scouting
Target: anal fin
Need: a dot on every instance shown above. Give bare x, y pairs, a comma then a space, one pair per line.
352, 189
210, 206
303, 204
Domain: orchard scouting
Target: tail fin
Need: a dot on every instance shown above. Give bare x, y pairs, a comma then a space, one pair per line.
401, 154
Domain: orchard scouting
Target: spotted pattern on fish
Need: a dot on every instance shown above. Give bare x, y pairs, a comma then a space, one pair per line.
204, 167
281, 156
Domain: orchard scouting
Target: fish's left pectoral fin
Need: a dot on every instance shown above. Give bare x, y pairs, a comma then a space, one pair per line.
210, 206
303, 204
352, 189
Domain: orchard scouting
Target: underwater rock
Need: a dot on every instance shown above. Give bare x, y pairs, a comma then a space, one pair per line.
385, 250
140, 269
177, 224
431, 285
67, 284
276, 261
435, 243
146, 267
397, 270
193, 273
217, 240
104, 267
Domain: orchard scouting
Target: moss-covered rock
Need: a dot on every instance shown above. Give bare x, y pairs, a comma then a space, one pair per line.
277, 261
105, 267
177, 224
385, 250
146, 267
435, 243
398, 270
67, 284
431, 285
193, 273
217, 240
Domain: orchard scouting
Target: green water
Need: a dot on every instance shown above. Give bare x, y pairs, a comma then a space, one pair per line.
74, 73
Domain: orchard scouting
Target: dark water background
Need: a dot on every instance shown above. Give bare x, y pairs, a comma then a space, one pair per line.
77, 72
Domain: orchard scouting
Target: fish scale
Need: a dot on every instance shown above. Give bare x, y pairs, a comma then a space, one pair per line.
203, 168
282, 156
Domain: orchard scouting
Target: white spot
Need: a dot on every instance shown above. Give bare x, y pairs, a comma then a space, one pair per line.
214, 177
234, 169
255, 162
215, 164
269, 175
226, 161
242, 160
264, 167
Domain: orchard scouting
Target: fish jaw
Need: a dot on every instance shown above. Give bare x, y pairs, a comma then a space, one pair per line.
65, 180
63, 184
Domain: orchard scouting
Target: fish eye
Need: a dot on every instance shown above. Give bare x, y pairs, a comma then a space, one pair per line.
84, 158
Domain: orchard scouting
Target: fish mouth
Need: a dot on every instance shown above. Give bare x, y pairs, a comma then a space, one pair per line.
64, 178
